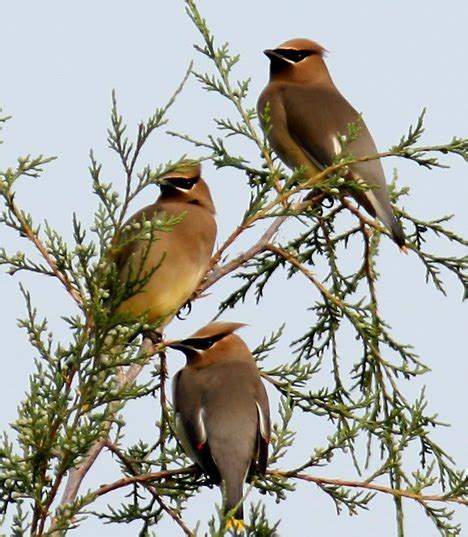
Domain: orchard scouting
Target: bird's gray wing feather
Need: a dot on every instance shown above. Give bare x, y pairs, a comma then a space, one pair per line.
190, 423
315, 118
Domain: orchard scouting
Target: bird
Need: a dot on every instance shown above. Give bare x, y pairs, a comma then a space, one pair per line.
168, 269
222, 410
307, 118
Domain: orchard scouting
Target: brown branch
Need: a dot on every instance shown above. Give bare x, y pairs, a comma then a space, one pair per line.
145, 478
422, 498
371, 222
326, 293
218, 272
290, 258
261, 245
230, 240
313, 198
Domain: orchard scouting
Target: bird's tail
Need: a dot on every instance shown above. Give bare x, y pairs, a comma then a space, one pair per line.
395, 227
383, 209
234, 493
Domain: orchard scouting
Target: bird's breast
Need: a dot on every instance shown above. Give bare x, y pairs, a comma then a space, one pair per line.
181, 257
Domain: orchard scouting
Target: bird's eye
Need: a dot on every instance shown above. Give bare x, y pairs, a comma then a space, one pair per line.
184, 184
202, 344
294, 55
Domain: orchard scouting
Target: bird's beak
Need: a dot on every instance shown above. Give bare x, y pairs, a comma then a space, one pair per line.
272, 54
179, 346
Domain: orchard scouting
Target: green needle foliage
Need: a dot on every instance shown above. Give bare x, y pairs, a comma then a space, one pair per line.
72, 410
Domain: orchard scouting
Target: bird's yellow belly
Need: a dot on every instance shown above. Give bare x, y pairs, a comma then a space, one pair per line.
166, 292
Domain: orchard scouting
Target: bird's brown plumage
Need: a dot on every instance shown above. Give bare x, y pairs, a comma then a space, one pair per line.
222, 409
182, 255
307, 116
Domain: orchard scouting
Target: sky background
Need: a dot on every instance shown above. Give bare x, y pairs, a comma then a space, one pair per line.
59, 63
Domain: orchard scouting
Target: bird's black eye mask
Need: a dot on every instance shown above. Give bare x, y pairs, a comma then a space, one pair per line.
294, 55
202, 343
182, 183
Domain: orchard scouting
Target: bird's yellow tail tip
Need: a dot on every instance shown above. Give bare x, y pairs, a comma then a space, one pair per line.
404, 249
235, 524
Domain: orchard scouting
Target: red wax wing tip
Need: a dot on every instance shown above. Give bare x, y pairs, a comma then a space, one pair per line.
200, 445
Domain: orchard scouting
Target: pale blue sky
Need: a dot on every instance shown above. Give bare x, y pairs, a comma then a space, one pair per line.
59, 63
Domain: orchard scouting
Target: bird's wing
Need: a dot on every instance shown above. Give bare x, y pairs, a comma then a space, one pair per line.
190, 424
315, 118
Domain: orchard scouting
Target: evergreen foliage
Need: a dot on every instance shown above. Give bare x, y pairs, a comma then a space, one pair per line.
72, 410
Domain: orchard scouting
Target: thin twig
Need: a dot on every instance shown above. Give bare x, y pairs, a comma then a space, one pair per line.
260, 246
227, 243
422, 498
142, 137
128, 464
163, 376
40, 246
290, 258
144, 478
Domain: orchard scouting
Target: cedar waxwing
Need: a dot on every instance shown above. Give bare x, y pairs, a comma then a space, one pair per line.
222, 412
181, 255
307, 117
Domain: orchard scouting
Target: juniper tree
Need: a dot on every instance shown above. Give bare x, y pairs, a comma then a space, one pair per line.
72, 412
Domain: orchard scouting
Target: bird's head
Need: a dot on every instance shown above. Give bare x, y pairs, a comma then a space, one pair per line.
297, 60
186, 184
213, 342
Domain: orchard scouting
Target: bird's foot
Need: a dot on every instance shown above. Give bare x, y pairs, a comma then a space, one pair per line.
155, 336
235, 524
187, 307
317, 197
